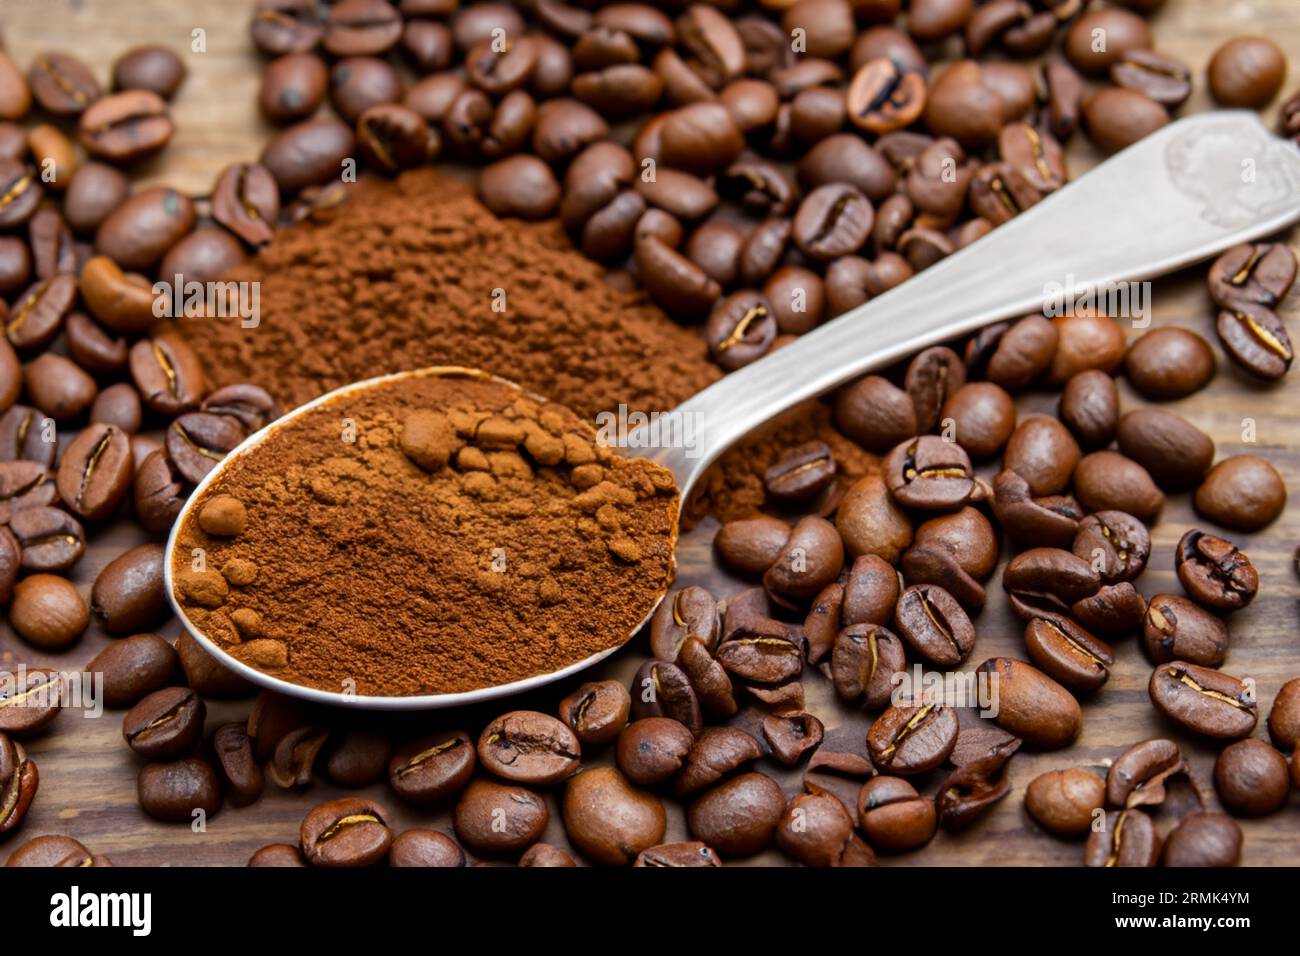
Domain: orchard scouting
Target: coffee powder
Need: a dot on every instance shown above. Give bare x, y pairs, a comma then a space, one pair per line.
409, 273
433, 534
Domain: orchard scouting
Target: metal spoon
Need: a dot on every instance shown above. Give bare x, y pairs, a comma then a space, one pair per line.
1183, 194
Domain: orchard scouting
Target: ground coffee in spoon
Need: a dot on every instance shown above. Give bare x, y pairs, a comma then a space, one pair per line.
430, 535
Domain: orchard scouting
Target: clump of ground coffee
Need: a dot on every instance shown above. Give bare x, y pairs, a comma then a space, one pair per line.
433, 534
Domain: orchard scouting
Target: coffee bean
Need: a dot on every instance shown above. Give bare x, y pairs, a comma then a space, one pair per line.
1284, 718
21, 195
1203, 839
208, 676
133, 668
983, 417
1085, 341
427, 848
165, 723
885, 95
124, 302
1115, 611
1169, 363
174, 792
608, 819
1177, 629
29, 700
128, 595
871, 591
1127, 838
1203, 701
53, 250
811, 558
715, 754
295, 756
359, 759
907, 740
930, 474
58, 387
361, 27
708, 677
493, 818
15, 95
125, 127
962, 105
751, 545
1069, 654
153, 68
197, 441
738, 817
15, 265
956, 552
870, 522
894, 816
1175, 452
1063, 801
285, 26
663, 689
293, 87
93, 192
277, 854
24, 484
432, 768
50, 539
653, 749
1162, 78
347, 832
159, 493
1020, 353
763, 249
309, 153
1255, 338
833, 220
970, 790
427, 44
864, 662
62, 84
247, 404
55, 850
687, 854
246, 200
48, 612
1048, 579
875, 413
1242, 492
803, 473
1138, 777
1252, 274
933, 376
845, 158
597, 712
1090, 407
817, 830
1247, 72
19, 779
791, 735
144, 226
118, 405
765, 654
38, 314
529, 747
687, 612
1115, 544
1122, 31
1108, 481
1214, 572
1117, 117
96, 472
1251, 778
1032, 705
934, 625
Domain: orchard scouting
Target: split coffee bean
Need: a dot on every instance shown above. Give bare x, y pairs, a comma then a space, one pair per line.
295, 756
1032, 706
803, 473
687, 612
864, 660
1064, 802
717, 752
1178, 629
197, 441
347, 832
1068, 653
930, 474
1252, 274
529, 747
134, 667
934, 625
1139, 775
1256, 340
739, 817
1204, 701
432, 768
1116, 544
240, 772
1128, 838
1051, 520
1214, 572
1201, 840
740, 329
174, 792
933, 376
597, 712
167, 374
125, 127
712, 685
908, 740
19, 779
791, 735
54, 850
1252, 778
660, 689
164, 724
610, 821
50, 539
894, 816
970, 790
496, 819
30, 700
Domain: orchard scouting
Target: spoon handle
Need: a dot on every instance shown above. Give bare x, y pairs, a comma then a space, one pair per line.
1182, 194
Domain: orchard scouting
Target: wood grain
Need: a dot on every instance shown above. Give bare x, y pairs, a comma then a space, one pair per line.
88, 775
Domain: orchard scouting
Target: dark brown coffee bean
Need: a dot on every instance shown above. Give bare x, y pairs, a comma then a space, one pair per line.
93, 192
803, 473
1127, 838
361, 28
817, 830
237, 765
15, 94
277, 854
870, 592
1202, 840
963, 106
96, 472
15, 264
998, 192
1068, 653
1176, 629
19, 780
62, 84
143, 227
765, 654
427, 44
708, 677
1109, 481
677, 284
1090, 407
1255, 338
798, 299
1251, 778
50, 539
37, 315
1169, 363
811, 559
1115, 611
359, 759
1116, 117
164, 724
1063, 801
1252, 274
154, 68
957, 552
27, 435
429, 848
118, 405
687, 612
1115, 544
608, 820
1284, 718
864, 661
870, 522
597, 712
293, 87
875, 413
1033, 706
24, 484
295, 756
931, 474
1245, 71
1162, 78
286, 26
791, 735
432, 768
762, 251
906, 740
133, 668
21, 193
1204, 701
761, 187
197, 441
934, 624
717, 752
653, 749
822, 625
493, 818
309, 153
347, 832
1042, 452
1048, 578
159, 493
1020, 354
1214, 572
94, 349
1085, 341
932, 377
529, 747
246, 200
207, 254
1138, 777
53, 251
125, 127
29, 699
751, 545
521, 186
832, 221
58, 387
739, 817
1242, 492
128, 595
686, 854
179, 791
360, 82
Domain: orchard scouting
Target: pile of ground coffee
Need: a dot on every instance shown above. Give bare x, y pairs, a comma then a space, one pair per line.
406, 273
433, 534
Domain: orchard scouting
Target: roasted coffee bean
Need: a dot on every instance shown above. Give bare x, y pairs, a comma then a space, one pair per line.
609, 820
982, 417
962, 105
1252, 274
686, 854
1251, 778
272, 718
175, 792
932, 377
164, 724
1032, 705
1109, 481
930, 474
208, 676
55, 850
124, 302
1051, 578
1126, 838
1053, 519
529, 747
432, 768
24, 484
1042, 452
894, 816
125, 127
597, 712
1246, 71
906, 740
37, 315
1116, 610
864, 660
427, 44
1019, 354
309, 153
1115, 544
1122, 31
21, 193
361, 28
679, 285
1064, 802
999, 192
15, 94
53, 251
154, 68
429, 848
763, 249
816, 113
118, 405
277, 854
811, 559
716, 753
27, 435
885, 95
708, 677
714, 246
93, 192
293, 87
1085, 340
1067, 653
159, 493
246, 200
29, 699
15, 265
803, 473
817, 830
1243, 492
96, 472
347, 832
286, 26
1177, 629
1169, 363
493, 818
687, 612
129, 593
766, 655
359, 759
1203, 839
846, 158
50, 539
197, 441
19, 779
1175, 453
1162, 78
791, 735
661, 689
971, 789
360, 82
822, 625
1214, 572
143, 227
751, 545
249, 405
133, 668
1035, 157
871, 591
870, 522
1255, 338
62, 84
393, 137
1139, 775
680, 194
875, 413
295, 756
956, 552
934, 624
738, 817
1117, 117
832, 221
653, 749
93, 348
1284, 718
1204, 701
740, 329
58, 387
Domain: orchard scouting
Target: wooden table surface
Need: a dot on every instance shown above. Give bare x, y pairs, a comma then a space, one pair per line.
88, 775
